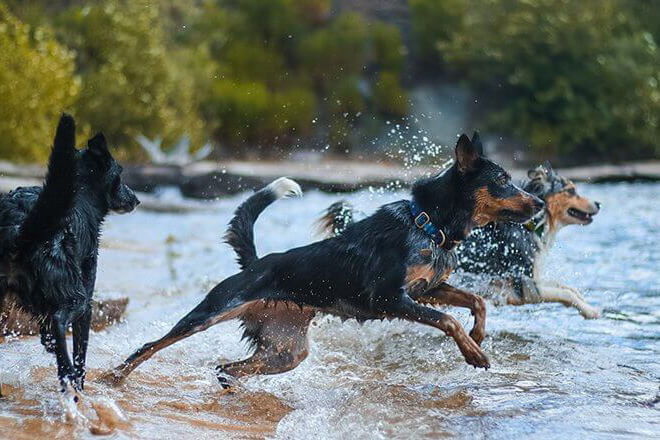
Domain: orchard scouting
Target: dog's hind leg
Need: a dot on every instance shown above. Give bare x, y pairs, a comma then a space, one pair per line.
451, 296
199, 319
279, 332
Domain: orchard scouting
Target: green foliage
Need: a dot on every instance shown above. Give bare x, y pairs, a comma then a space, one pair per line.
388, 49
129, 85
435, 22
250, 113
36, 83
336, 51
389, 96
577, 79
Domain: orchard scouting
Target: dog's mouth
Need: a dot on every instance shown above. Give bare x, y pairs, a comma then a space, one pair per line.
581, 216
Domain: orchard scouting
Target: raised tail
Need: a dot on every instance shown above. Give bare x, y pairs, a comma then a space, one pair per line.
240, 234
336, 219
56, 198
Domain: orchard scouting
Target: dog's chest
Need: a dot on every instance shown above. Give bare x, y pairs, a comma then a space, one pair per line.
428, 266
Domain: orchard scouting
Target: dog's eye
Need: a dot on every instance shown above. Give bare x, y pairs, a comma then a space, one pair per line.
115, 183
502, 180
571, 191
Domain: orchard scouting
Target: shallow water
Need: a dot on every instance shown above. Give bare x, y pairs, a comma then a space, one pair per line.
553, 373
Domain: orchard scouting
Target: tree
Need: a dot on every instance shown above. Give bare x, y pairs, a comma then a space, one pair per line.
579, 80
36, 84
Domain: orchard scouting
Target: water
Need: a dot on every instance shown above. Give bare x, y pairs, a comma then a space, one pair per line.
553, 373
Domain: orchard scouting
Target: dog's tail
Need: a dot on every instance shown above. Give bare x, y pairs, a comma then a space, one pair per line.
336, 219
56, 198
240, 234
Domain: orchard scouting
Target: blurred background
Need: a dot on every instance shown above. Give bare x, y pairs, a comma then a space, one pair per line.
576, 82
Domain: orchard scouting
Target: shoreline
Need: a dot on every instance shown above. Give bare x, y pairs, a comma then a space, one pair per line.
208, 180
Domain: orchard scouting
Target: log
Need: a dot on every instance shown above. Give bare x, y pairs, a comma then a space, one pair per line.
15, 322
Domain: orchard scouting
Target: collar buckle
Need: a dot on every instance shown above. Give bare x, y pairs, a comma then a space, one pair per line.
425, 217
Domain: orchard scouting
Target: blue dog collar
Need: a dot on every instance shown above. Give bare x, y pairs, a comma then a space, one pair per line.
423, 221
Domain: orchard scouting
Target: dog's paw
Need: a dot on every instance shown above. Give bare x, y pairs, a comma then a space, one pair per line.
474, 355
226, 380
110, 378
590, 312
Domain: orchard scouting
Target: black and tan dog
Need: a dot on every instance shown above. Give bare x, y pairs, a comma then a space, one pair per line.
49, 238
384, 266
512, 253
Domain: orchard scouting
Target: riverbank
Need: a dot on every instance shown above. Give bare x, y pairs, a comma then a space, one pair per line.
207, 180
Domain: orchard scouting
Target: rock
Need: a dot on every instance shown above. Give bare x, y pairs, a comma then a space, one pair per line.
14, 322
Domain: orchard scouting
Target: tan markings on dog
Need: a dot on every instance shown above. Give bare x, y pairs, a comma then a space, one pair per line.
558, 204
282, 333
424, 276
487, 207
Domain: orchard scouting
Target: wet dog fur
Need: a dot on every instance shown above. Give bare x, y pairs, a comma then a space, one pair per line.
382, 267
512, 253
49, 239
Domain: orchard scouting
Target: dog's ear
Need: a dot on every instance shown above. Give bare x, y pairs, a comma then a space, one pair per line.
98, 147
538, 173
466, 154
98, 144
476, 142
548, 168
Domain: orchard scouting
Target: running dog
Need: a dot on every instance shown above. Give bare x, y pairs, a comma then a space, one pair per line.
385, 266
513, 253
49, 239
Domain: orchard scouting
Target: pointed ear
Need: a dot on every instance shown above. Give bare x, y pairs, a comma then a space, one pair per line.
476, 142
540, 172
98, 144
548, 168
466, 154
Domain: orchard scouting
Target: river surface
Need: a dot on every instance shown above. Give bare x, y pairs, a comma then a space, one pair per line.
553, 373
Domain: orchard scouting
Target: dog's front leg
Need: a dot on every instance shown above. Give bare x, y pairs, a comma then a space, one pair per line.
451, 296
59, 324
407, 308
80, 340
549, 292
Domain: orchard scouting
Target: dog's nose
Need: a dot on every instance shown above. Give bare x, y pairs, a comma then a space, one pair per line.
597, 205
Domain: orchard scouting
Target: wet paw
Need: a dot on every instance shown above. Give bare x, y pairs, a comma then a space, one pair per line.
111, 378
590, 313
225, 380
474, 356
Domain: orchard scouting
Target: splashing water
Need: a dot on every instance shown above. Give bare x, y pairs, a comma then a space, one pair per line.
553, 373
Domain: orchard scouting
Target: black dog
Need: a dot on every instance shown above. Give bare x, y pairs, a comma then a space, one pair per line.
381, 267
49, 239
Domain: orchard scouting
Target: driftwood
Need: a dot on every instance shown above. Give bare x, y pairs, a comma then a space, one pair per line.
208, 180
15, 322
